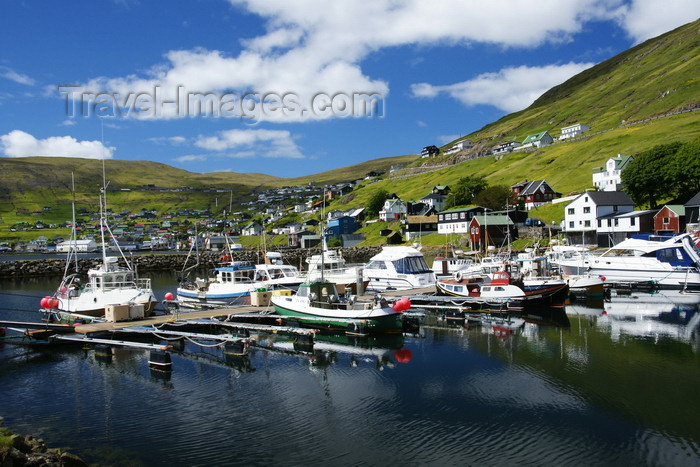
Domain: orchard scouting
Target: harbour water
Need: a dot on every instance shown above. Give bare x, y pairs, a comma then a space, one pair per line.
610, 383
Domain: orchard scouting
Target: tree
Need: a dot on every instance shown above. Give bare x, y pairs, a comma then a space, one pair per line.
649, 177
376, 202
686, 170
496, 197
464, 192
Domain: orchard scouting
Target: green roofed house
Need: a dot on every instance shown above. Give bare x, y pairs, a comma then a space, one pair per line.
609, 178
491, 229
537, 140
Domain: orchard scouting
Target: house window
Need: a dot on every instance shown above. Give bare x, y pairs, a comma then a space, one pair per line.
587, 224
571, 224
667, 220
570, 211
599, 223
585, 199
461, 215
633, 220
586, 209
616, 222
609, 222
441, 217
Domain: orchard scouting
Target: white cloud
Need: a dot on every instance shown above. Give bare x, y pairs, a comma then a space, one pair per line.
510, 89
12, 75
313, 46
17, 143
252, 143
644, 19
170, 140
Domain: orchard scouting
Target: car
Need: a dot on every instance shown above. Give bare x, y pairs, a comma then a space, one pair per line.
534, 222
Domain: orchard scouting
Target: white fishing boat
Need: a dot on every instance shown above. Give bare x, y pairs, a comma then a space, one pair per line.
673, 263
229, 284
398, 268
108, 283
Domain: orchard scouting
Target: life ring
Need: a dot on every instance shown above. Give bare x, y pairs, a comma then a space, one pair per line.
458, 276
225, 258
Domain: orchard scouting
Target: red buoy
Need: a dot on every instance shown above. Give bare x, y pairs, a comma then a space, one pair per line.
169, 296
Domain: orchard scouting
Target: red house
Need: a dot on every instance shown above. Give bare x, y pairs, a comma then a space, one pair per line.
535, 193
670, 219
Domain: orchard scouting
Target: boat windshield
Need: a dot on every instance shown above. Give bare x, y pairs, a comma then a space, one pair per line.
411, 265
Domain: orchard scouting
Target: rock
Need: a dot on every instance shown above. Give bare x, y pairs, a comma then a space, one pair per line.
69, 460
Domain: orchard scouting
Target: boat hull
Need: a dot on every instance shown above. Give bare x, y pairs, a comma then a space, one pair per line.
375, 320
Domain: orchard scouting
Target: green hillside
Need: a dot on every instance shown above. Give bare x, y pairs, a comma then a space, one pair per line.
641, 98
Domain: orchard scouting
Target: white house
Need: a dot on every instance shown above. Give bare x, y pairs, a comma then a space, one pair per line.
460, 146
393, 208
252, 229
614, 228
80, 245
609, 178
573, 131
581, 215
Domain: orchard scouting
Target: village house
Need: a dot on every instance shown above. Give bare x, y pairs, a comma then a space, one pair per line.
254, 228
692, 212
609, 178
573, 131
535, 193
670, 219
429, 151
581, 215
490, 229
417, 226
81, 246
538, 140
393, 209
436, 198
340, 226
460, 146
456, 221
614, 228
504, 148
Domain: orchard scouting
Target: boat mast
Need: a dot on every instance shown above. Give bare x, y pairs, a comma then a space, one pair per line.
73, 244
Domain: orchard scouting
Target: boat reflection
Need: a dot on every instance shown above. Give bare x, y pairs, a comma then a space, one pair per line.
324, 350
666, 313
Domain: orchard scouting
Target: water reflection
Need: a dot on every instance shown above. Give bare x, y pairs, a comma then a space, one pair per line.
609, 383
661, 314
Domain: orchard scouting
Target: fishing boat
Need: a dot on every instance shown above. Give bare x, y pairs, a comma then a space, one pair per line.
398, 268
108, 283
482, 291
230, 283
317, 304
673, 263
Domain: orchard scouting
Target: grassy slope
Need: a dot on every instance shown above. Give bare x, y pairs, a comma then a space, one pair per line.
651, 79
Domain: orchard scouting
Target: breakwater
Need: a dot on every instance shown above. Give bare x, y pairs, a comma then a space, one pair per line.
172, 262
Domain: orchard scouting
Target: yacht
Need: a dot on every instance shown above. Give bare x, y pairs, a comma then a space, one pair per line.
398, 268
673, 263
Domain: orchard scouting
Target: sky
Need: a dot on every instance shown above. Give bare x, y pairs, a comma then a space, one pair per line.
291, 88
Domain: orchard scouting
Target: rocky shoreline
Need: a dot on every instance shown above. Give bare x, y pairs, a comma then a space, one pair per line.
29, 451
169, 261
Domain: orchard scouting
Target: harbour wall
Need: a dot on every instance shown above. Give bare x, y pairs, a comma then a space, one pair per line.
171, 262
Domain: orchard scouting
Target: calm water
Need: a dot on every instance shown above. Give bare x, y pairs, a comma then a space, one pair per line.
617, 383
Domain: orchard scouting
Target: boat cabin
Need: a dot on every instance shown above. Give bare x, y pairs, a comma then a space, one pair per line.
320, 294
237, 271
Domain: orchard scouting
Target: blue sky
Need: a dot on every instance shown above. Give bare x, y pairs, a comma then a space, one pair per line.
291, 88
